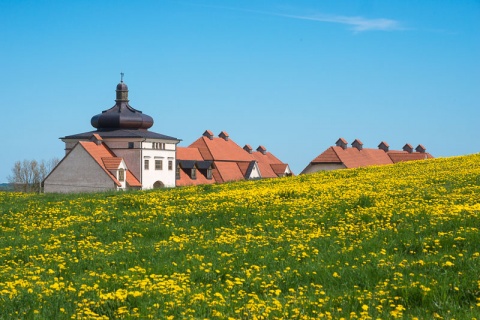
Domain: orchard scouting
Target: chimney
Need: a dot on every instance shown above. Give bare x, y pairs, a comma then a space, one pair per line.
420, 149
97, 139
248, 148
341, 143
208, 134
383, 146
357, 144
223, 135
262, 149
408, 148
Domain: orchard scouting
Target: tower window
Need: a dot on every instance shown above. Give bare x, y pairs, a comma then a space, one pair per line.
158, 145
146, 164
170, 165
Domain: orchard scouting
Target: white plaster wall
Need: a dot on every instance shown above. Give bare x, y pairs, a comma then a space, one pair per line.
150, 176
255, 174
78, 172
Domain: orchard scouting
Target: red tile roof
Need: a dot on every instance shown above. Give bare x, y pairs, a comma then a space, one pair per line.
132, 181
354, 158
230, 161
107, 160
220, 149
111, 163
186, 180
229, 171
401, 156
184, 153
279, 168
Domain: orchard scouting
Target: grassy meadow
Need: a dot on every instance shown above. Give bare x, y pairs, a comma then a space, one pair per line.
399, 241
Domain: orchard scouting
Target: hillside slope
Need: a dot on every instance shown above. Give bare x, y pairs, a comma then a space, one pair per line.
380, 242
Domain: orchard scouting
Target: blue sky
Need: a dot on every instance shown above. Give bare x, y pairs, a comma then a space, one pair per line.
293, 76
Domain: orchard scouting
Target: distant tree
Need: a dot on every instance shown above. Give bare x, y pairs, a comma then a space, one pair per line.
27, 175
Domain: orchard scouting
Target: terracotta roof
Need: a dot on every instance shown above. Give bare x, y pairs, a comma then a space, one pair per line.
107, 160
229, 171
97, 152
186, 180
230, 161
132, 181
111, 163
279, 168
220, 149
244, 166
328, 156
184, 153
401, 156
353, 158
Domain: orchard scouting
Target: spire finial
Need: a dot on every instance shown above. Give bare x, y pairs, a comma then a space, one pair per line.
121, 76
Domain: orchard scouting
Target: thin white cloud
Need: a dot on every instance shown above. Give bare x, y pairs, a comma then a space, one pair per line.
357, 24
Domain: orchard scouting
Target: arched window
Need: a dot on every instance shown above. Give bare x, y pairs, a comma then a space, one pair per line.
158, 184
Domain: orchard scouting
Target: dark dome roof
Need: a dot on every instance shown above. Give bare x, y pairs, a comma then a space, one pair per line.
122, 86
122, 115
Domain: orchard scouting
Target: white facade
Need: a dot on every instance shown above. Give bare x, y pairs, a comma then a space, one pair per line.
158, 164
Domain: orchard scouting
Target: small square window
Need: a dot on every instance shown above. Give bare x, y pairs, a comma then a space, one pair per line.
130, 145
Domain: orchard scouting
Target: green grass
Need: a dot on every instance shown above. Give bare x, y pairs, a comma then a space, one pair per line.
397, 241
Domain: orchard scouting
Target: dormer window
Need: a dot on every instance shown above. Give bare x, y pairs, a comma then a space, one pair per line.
177, 172
209, 174
193, 174
121, 175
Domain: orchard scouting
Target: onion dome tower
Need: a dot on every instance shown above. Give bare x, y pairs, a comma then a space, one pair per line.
121, 115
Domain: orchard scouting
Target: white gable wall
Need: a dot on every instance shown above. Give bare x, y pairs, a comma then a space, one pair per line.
255, 174
78, 172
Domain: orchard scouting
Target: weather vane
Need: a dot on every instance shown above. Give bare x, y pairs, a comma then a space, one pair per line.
121, 76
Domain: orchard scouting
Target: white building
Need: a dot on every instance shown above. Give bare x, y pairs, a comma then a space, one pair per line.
120, 154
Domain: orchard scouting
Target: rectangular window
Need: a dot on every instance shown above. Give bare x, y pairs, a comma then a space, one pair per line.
146, 164
170, 165
121, 175
177, 173
130, 145
158, 165
194, 173
209, 173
